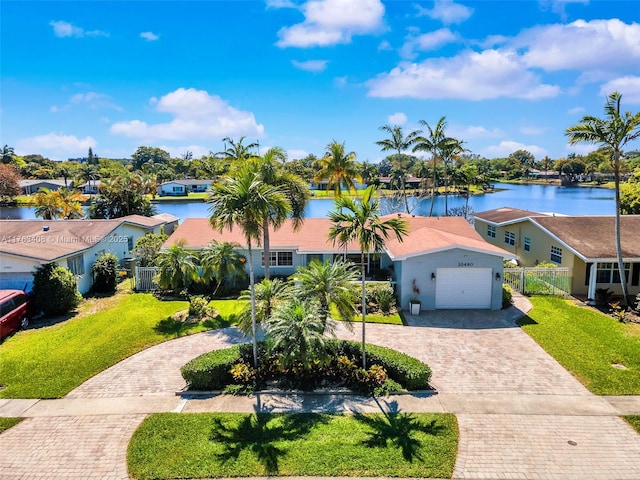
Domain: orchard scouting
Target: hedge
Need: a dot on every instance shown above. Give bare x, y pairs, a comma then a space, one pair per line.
211, 371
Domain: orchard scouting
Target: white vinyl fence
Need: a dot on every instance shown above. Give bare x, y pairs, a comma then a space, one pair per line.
143, 279
539, 281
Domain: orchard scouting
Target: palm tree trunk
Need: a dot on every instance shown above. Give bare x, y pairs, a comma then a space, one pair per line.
623, 278
404, 195
252, 288
433, 188
446, 191
266, 248
364, 311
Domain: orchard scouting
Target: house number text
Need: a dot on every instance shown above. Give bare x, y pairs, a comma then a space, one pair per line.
465, 264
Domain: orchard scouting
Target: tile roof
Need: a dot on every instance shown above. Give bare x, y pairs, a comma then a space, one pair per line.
593, 237
506, 215
426, 234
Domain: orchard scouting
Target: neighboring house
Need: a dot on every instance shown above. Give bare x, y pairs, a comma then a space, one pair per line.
409, 182
323, 185
34, 186
170, 222
584, 244
452, 266
74, 244
183, 187
91, 187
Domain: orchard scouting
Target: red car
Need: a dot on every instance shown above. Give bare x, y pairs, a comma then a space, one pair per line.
14, 311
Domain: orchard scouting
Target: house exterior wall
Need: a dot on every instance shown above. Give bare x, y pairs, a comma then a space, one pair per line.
172, 188
421, 267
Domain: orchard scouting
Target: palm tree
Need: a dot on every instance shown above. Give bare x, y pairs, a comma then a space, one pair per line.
269, 168
338, 168
237, 151
48, 204
244, 201
328, 284
398, 142
177, 268
434, 143
222, 261
451, 150
268, 294
361, 222
613, 133
70, 203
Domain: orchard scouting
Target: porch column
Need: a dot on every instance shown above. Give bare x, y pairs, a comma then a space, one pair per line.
591, 294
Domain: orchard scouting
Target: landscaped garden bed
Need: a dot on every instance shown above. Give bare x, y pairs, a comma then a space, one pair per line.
207, 445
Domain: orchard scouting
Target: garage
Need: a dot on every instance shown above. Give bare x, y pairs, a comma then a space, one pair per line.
463, 287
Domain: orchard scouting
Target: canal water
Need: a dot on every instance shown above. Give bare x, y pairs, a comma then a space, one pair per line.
536, 198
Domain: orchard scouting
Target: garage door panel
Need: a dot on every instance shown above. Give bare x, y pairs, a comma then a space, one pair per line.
463, 288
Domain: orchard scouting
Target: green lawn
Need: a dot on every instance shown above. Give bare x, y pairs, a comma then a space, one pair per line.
51, 361
168, 445
391, 319
8, 422
634, 421
588, 344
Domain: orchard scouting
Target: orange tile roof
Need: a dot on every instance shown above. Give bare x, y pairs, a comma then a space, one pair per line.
426, 234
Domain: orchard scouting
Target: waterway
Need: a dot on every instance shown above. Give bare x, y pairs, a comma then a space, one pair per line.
536, 198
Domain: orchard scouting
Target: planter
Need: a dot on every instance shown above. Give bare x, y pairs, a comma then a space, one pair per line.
414, 308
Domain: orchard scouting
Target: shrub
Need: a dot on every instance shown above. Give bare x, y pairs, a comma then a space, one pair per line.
211, 371
105, 273
55, 290
386, 300
507, 296
198, 306
379, 297
603, 296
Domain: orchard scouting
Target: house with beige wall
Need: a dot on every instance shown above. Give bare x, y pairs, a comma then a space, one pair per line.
585, 244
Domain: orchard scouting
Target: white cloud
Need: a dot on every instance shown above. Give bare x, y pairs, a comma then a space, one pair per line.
507, 147
196, 115
281, 4
597, 44
446, 11
427, 41
470, 75
64, 29
558, 6
398, 118
628, 86
311, 65
92, 100
178, 151
56, 146
329, 22
576, 110
580, 148
152, 37
465, 132
296, 154
384, 46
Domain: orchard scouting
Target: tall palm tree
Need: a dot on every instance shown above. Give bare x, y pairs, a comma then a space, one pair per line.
48, 204
268, 294
612, 132
244, 201
338, 167
177, 268
399, 143
271, 172
236, 150
450, 151
222, 261
434, 143
328, 284
361, 222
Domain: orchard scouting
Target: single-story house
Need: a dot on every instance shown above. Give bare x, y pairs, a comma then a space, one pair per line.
584, 243
445, 258
324, 184
183, 187
74, 244
409, 182
34, 186
91, 187
170, 222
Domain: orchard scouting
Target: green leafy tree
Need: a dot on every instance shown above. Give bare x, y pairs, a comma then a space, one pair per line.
149, 156
105, 273
48, 204
524, 160
121, 196
338, 167
70, 203
55, 290
268, 293
8, 154
178, 267
630, 196
9, 182
147, 248
399, 143
243, 202
614, 132
222, 261
361, 222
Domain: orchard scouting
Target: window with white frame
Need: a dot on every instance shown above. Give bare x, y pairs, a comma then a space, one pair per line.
509, 238
76, 264
279, 259
491, 231
556, 255
607, 272
527, 244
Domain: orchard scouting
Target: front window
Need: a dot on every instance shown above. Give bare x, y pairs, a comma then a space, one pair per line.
491, 231
527, 244
130, 243
607, 272
76, 264
279, 259
509, 238
556, 255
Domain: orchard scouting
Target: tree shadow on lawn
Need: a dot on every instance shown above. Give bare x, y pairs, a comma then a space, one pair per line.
397, 429
258, 433
526, 320
170, 327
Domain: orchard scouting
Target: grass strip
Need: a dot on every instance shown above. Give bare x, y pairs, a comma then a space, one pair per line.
601, 352
206, 445
634, 421
7, 422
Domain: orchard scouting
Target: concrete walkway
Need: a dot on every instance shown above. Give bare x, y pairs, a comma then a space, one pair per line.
521, 415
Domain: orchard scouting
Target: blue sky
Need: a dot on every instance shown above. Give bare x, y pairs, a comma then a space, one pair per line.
182, 75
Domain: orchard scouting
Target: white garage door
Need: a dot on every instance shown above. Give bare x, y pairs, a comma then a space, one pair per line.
463, 288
